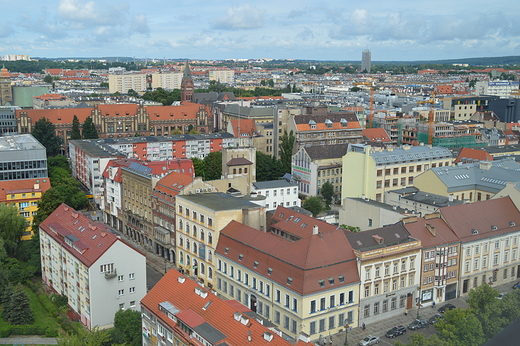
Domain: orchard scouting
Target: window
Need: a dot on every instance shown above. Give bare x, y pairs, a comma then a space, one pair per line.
387, 269
322, 304
313, 306
367, 273
131, 276
367, 291
341, 298
122, 306
121, 292
351, 296
332, 322
120, 278
366, 310
132, 303
312, 326
287, 298
322, 325
277, 295
332, 301
286, 321
295, 305
132, 290
377, 274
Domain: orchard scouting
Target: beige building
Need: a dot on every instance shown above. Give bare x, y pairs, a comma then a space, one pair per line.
200, 217
371, 171
222, 76
123, 82
368, 214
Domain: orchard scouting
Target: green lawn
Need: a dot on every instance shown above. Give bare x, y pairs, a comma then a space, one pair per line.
41, 316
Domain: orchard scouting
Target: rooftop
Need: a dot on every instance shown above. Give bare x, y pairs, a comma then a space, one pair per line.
218, 201
19, 142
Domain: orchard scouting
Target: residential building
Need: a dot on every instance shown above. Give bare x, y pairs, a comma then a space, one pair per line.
200, 217
23, 175
469, 182
7, 120
222, 76
281, 192
371, 171
246, 129
418, 202
489, 233
388, 263
306, 284
369, 214
177, 311
6, 90
315, 165
123, 82
98, 272
502, 88
440, 258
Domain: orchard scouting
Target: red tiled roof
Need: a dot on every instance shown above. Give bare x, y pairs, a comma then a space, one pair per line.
376, 134
94, 239
474, 154
10, 186
171, 185
185, 111
306, 261
482, 216
239, 161
57, 116
117, 164
179, 291
118, 110
292, 222
244, 126
443, 233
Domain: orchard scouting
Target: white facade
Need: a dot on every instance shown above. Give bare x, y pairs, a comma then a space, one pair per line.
223, 76
277, 193
168, 81
502, 88
124, 82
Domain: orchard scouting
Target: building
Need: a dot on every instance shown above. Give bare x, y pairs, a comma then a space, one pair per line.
470, 182
187, 86
7, 120
502, 88
315, 165
418, 202
98, 272
23, 175
366, 61
306, 284
488, 232
200, 218
177, 311
282, 192
371, 171
6, 91
123, 82
440, 258
388, 263
222, 76
369, 214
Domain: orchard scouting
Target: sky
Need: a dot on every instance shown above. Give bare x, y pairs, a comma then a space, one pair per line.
320, 30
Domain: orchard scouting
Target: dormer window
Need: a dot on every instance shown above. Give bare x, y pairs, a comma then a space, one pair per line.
312, 123
328, 123
289, 280
226, 250
341, 278
256, 264
512, 224
322, 283
344, 123
240, 257
331, 281
269, 271
494, 228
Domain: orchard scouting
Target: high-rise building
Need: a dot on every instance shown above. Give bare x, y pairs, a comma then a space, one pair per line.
366, 60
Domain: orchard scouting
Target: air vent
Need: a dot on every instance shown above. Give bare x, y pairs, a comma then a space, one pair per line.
474, 231
494, 228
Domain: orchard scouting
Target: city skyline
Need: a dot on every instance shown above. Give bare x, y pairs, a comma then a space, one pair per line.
404, 31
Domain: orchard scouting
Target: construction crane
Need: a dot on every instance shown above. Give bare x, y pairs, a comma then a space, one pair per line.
370, 122
431, 118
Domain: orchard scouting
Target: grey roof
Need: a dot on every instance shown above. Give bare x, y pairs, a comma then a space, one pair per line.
273, 184
96, 148
248, 112
381, 205
320, 152
472, 176
210, 333
333, 117
19, 142
399, 155
431, 199
219, 201
392, 235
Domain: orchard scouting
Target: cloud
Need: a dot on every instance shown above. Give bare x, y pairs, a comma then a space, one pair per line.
306, 34
239, 18
140, 25
6, 30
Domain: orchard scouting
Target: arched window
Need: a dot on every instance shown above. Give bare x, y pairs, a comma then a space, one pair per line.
180, 225
210, 256
210, 273
181, 241
202, 268
188, 260
194, 231
210, 238
234, 171
240, 171
245, 170
181, 257
187, 244
201, 234
187, 227
194, 248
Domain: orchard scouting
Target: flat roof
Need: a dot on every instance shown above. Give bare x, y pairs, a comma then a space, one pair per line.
219, 201
19, 142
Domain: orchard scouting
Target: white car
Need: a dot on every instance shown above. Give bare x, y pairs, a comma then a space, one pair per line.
369, 340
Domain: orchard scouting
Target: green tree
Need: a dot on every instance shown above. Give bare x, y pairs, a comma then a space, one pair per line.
286, 151
104, 85
193, 131
177, 132
355, 89
354, 229
213, 164
89, 129
462, 328
44, 132
48, 79
12, 226
50, 200
132, 93
83, 337
17, 309
419, 339
199, 166
58, 161
128, 324
327, 191
267, 167
75, 132
314, 205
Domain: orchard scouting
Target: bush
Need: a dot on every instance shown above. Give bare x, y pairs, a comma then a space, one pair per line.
27, 330
47, 304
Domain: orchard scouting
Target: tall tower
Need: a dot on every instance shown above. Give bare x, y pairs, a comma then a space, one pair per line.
187, 86
6, 91
366, 60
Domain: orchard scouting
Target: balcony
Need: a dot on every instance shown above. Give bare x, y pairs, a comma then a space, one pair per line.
110, 274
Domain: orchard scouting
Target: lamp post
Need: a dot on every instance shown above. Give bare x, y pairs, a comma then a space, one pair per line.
346, 334
165, 266
419, 303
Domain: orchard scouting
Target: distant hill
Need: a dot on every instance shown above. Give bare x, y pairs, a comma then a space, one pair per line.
489, 61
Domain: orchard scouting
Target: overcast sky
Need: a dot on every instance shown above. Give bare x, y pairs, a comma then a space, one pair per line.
321, 30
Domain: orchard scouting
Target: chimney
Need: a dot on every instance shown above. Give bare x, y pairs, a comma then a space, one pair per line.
485, 165
431, 229
314, 229
378, 239
450, 198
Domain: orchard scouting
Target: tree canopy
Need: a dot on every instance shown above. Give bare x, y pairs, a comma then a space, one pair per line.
44, 132
89, 129
75, 132
327, 191
286, 151
267, 167
314, 205
12, 226
210, 168
17, 309
128, 325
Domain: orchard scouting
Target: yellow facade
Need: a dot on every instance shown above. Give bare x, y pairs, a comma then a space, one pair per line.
27, 204
322, 312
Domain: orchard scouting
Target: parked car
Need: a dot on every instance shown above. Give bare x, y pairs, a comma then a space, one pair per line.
435, 318
446, 307
516, 285
395, 331
418, 324
369, 340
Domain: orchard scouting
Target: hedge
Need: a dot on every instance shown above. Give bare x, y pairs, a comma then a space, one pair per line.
27, 330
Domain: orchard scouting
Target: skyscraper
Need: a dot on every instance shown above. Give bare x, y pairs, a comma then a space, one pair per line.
366, 60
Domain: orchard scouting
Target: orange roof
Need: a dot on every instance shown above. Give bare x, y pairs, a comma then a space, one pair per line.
186, 110
117, 110
171, 185
298, 224
443, 233
196, 307
376, 135
57, 116
53, 71
244, 126
323, 126
473, 154
51, 97
93, 239
306, 261
11, 186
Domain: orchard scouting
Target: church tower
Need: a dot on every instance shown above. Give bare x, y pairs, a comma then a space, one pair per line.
6, 91
187, 86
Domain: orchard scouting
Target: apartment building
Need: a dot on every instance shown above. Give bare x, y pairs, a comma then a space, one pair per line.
306, 284
371, 171
222, 76
85, 261
388, 263
178, 312
281, 192
23, 175
200, 217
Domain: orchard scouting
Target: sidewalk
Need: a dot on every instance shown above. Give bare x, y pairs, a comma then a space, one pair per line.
28, 340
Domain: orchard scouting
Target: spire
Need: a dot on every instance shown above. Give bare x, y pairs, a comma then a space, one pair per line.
187, 72
187, 86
